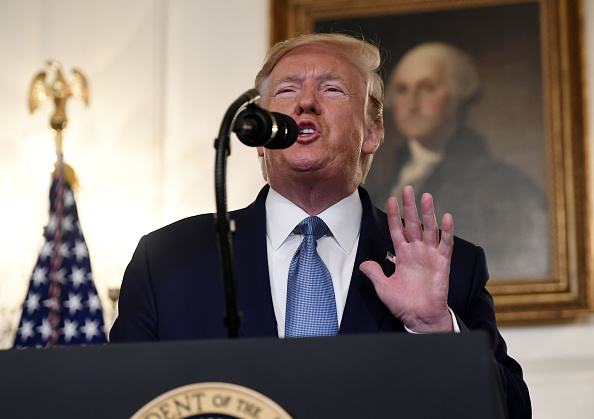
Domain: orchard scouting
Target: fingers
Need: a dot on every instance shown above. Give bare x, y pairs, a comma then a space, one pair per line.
430, 229
397, 232
411, 217
446, 244
412, 230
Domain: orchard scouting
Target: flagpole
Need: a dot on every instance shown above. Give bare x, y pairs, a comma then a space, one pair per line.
58, 141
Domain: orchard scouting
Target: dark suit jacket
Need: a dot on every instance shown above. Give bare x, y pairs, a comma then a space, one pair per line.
172, 288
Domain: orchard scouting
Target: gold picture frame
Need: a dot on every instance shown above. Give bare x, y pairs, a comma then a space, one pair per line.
565, 289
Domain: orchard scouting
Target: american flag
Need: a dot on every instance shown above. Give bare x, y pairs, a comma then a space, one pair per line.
62, 306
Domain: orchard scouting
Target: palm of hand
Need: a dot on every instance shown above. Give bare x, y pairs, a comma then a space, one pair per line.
417, 291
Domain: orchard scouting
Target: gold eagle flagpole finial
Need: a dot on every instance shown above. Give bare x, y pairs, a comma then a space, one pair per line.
59, 91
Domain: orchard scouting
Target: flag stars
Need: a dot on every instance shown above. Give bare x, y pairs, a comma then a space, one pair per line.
46, 250
32, 303
68, 199
64, 250
80, 250
74, 303
45, 329
39, 276
78, 277
70, 330
63, 268
51, 225
67, 224
26, 330
90, 329
93, 303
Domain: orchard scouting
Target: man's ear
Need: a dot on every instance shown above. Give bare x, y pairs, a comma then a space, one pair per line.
260, 151
372, 139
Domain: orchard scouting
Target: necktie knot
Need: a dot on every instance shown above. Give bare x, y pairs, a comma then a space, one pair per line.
312, 226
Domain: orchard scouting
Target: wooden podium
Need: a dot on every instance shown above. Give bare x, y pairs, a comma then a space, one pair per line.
363, 376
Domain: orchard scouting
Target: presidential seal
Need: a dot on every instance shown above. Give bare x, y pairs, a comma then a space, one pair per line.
212, 401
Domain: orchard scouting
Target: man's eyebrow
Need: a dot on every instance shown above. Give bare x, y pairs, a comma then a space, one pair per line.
287, 78
320, 75
330, 75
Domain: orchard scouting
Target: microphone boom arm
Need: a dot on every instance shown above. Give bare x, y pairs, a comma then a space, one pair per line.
223, 229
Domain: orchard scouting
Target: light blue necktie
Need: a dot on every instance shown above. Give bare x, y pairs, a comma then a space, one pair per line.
311, 307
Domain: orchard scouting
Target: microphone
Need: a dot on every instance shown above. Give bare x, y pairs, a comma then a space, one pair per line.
257, 127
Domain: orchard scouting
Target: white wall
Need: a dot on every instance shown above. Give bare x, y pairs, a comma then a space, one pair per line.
162, 73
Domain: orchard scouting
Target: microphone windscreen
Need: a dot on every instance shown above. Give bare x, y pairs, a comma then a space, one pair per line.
286, 134
256, 127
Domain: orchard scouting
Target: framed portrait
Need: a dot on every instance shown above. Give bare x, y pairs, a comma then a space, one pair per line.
484, 109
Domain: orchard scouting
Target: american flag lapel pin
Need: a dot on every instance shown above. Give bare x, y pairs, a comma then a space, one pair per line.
391, 257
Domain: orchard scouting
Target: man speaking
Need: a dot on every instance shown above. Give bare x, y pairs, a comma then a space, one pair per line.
311, 250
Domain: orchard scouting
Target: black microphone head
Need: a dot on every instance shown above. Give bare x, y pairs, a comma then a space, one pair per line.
254, 126
257, 127
286, 133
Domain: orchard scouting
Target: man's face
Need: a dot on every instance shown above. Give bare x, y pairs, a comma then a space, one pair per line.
424, 107
325, 94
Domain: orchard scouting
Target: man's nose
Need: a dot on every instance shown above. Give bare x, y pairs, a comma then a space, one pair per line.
307, 101
410, 100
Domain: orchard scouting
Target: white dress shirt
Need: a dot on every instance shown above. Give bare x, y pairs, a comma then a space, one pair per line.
337, 248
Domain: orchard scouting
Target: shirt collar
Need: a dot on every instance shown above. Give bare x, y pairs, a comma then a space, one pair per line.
343, 219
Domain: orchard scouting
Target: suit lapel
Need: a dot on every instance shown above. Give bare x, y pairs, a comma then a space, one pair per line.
251, 262
364, 312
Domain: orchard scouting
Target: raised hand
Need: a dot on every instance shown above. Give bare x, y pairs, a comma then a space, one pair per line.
417, 292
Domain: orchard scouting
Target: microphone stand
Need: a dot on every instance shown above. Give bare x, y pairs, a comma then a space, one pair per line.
223, 225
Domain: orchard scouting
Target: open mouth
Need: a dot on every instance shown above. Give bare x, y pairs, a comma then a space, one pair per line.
306, 128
